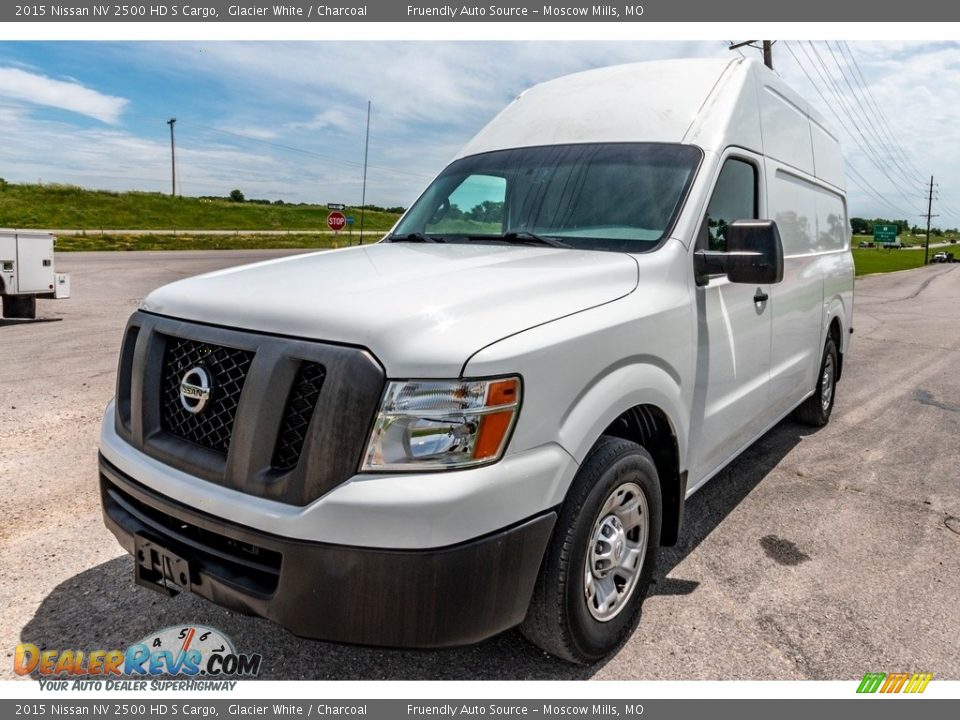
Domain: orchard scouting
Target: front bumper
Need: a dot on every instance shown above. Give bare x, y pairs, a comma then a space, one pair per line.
439, 597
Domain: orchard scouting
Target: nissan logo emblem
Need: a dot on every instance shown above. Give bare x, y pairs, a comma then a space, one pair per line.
195, 389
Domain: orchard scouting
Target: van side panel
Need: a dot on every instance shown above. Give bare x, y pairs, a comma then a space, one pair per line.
831, 220
730, 116
797, 301
827, 158
786, 130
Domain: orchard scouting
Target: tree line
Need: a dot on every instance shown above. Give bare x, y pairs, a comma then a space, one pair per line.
864, 226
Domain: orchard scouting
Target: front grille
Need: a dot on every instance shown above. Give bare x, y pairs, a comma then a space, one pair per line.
125, 375
297, 414
227, 368
284, 419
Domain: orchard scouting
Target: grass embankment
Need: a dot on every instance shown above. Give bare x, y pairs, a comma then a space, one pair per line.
245, 241
872, 260
879, 260
70, 207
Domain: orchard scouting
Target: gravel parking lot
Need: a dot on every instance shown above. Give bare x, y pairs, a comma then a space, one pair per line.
817, 554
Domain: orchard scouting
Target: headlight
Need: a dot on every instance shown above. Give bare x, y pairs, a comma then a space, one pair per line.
440, 424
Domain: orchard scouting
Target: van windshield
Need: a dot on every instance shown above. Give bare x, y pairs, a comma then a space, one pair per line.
611, 196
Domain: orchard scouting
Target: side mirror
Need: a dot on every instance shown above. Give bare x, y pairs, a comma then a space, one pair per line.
754, 254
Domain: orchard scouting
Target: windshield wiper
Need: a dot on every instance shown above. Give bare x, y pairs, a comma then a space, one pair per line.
523, 238
416, 237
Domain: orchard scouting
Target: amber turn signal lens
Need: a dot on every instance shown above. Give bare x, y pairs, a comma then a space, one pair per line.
495, 426
502, 392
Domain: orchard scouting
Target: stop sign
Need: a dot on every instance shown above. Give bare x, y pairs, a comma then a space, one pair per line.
336, 220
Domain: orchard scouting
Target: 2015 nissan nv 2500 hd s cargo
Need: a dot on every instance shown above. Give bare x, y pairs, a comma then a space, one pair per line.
492, 418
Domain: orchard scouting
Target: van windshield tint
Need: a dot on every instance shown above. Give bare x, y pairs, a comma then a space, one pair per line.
612, 196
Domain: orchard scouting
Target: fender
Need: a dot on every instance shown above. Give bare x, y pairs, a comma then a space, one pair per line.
642, 380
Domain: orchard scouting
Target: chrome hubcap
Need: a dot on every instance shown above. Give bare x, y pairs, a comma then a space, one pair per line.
617, 550
826, 384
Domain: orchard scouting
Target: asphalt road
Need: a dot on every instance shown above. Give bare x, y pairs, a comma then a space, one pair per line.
817, 555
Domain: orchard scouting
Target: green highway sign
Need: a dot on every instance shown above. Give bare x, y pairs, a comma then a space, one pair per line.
885, 233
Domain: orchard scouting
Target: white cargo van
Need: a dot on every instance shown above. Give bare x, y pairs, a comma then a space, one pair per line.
493, 417
27, 272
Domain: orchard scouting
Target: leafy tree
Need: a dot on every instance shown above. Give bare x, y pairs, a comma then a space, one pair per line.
488, 211
236, 196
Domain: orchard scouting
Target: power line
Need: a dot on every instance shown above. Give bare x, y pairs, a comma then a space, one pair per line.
869, 118
881, 115
865, 146
862, 180
291, 148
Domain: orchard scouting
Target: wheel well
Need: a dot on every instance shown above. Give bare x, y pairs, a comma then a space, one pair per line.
837, 335
649, 427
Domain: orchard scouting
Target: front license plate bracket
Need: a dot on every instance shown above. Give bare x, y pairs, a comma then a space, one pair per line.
159, 569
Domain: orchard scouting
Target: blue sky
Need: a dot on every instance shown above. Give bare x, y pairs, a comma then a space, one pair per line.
286, 119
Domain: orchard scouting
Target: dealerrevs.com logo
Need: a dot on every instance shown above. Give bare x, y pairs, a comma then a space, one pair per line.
191, 651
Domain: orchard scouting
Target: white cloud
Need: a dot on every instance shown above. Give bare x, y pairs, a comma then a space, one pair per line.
428, 99
332, 118
917, 88
42, 90
250, 131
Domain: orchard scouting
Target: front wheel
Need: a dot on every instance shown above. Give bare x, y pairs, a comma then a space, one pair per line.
816, 409
602, 555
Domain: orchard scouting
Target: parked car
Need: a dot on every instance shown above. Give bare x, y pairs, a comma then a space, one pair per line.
940, 257
493, 419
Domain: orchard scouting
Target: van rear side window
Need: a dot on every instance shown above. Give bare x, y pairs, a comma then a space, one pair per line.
734, 198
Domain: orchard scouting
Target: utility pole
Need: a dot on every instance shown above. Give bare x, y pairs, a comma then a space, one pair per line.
768, 53
366, 150
767, 49
926, 250
173, 160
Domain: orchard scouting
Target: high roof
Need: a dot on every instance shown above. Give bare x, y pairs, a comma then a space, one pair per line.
648, 101
711, 103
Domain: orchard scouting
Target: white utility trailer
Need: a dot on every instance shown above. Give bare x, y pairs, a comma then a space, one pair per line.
27, 272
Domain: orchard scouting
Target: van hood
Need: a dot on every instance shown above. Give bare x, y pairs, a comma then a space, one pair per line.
422, 309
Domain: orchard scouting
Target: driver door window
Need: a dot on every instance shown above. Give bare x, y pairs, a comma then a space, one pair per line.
734, 198
475, 207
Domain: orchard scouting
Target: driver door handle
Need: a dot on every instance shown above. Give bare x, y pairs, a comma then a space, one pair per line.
760, 297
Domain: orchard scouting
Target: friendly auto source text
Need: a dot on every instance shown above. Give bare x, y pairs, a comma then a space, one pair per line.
507, 11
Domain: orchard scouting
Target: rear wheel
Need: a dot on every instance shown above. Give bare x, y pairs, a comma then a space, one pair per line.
601, 558
20, 306
816, 409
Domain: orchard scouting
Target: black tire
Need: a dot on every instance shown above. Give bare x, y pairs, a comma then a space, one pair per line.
816, 409
559, 620
20, 306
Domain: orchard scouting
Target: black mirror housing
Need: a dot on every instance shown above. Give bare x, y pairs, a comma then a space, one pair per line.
754, 254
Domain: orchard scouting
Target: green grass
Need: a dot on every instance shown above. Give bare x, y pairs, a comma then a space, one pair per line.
70, 207
251, 241
872, 260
